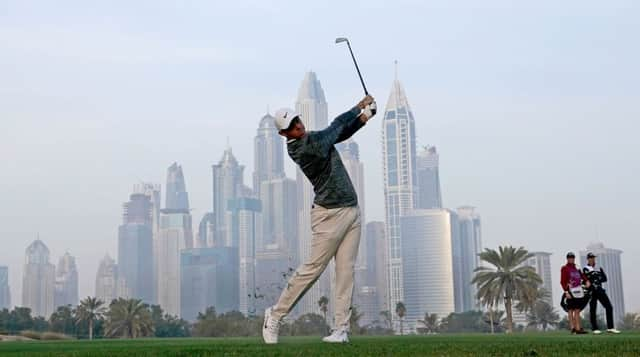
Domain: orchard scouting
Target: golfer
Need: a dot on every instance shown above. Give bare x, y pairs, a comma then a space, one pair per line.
598, 293
571, 279
335, 217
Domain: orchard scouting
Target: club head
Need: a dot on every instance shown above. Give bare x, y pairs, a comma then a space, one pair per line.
341, 39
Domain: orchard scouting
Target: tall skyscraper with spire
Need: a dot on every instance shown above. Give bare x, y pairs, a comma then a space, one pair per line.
66, 286
429, 195
228, 184
268, 159
135, 241
5, 291
400, 179
38, 280
312, 106
174, 235
109, 286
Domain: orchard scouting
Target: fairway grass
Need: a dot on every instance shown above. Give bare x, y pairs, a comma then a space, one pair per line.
547, 344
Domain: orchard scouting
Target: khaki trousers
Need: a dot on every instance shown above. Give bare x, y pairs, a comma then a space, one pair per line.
335, 233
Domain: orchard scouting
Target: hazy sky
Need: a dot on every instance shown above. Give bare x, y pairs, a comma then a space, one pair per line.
534, 108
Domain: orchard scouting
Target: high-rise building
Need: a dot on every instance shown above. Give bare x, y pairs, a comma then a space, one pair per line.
370, 295
206, 231
350, 155
176, 194
609, 260
312, 106
108, 284
429, 195
243, 217
135, 242
279, 225
175, 234
5, 291
152, 191
466, 245
541, 262
427, 263
38, 280
274, 266
400, 180
209, 278
268, 153
228, 184
66, 285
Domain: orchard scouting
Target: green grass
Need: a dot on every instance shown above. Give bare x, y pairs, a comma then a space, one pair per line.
549, 344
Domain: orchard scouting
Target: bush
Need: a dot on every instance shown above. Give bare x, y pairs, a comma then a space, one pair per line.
55, 336
34, 335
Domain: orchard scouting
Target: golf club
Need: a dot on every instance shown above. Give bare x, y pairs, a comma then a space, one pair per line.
344, 39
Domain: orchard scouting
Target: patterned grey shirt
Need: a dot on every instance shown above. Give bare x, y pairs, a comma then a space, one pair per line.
320, 162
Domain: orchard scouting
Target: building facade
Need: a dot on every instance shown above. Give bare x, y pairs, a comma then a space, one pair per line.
427, 264
228, 184
428, 175
38, 280
400, 180
268, 154
108, 284
5, 291
466, 245
66, 285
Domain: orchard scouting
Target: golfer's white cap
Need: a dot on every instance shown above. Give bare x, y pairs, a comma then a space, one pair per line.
284, 117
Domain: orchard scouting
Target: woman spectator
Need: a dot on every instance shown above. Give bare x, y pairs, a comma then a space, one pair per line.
571, 279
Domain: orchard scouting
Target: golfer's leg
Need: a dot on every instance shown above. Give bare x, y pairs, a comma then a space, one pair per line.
593, 306
345, 262
606, 303
324, 242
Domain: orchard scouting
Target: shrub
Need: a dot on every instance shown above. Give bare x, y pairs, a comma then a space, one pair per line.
34, 335
55, 336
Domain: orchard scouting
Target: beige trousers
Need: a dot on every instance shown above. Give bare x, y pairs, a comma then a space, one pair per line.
335, 233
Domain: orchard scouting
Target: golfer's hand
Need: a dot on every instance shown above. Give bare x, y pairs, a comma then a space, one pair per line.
567, 295
365, 101
368, 112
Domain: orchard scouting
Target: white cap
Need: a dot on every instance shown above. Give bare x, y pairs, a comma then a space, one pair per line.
284, 116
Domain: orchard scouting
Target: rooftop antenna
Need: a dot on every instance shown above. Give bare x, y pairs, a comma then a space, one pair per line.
395, 63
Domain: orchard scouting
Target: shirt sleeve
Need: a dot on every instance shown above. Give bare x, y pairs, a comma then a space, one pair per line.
341, 128
564, 279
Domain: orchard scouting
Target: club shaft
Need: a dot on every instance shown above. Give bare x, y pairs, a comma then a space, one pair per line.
357, 69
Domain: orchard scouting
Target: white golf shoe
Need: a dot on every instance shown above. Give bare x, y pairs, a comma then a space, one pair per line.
270, 328
612, 330
597, 332
337, 336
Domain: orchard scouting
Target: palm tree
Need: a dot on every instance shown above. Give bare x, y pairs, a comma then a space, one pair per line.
90, 310
430, 322
543, 314
401, 310
631, 321
386, 317
507, 280
323, 303
129, 318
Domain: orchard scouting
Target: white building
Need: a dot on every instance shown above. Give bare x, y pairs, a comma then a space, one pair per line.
541, 262
428, 175
5, 291
228, 184
312, 106
38, 281
268, 153
427, 264
466, 244
279, 211
609, 260
400, 182
108, 284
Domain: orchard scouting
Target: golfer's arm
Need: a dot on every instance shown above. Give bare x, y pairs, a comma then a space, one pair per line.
341, 128
352, 124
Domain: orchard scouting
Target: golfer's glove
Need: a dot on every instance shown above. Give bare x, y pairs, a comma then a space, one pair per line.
370, 110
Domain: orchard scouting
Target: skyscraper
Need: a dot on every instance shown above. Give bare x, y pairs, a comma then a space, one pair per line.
135, 242
400, 180
466, 245
268, 153
38, 280
279, 211
108, 284
176, 194
66, 285
228, 184
209, 278
243, 216
371, 284
152, 191
206, 231
427, 263
5, 292
541, 262
429, 195
350, 155
609, 260
175, 234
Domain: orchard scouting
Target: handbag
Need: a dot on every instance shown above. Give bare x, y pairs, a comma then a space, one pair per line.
577, 292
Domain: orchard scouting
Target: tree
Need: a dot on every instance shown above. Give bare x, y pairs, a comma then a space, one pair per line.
323, 303
430, 322
89, 311
63, 320
468, 321
206, 324
309, 324
495, 319
129, 318
507, 280
354, 320
167, 325
401, 310
543, 315
630, 321
20, 319
387, 319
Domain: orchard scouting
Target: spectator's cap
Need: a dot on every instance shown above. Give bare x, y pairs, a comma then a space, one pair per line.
570, 255
591, 255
